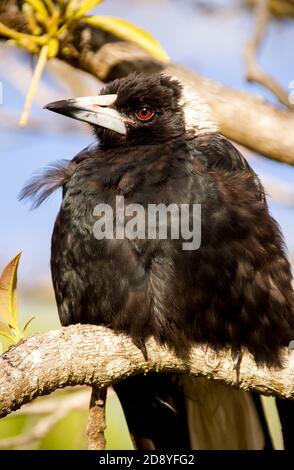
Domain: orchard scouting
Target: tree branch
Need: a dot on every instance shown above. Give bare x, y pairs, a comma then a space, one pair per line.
259, 126
254, 71
96, 356
242, 117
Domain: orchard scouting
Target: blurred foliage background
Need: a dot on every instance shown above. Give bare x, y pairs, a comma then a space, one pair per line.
207, 36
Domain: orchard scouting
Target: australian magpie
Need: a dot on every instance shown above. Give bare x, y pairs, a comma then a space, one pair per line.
157, 144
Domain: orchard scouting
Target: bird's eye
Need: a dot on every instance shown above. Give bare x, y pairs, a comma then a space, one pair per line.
145, 113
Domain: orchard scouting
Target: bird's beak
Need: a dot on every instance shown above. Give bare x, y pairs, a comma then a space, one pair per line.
92, 109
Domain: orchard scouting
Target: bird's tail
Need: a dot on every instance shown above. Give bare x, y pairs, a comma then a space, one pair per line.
181, 412
221, 417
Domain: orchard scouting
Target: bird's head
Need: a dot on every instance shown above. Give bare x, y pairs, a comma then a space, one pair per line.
139, 109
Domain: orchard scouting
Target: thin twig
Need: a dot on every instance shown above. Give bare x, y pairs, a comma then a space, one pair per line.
61, 408
254, 71
96, 420
47, 405
43, 56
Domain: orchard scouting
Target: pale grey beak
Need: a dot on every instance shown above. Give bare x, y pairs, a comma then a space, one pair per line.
92, 109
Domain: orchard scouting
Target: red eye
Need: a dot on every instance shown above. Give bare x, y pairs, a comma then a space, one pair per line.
145, 113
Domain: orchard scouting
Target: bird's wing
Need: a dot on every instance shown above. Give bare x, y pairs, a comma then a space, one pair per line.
218, 153
197, 414
221, 417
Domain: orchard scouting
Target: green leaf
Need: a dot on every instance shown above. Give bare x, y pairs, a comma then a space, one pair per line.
8, 336
4, 328
8, 300
129, 32
6, 332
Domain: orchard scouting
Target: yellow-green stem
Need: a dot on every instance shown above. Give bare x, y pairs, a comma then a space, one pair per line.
50, 5
43, 56
39, 7
11, 33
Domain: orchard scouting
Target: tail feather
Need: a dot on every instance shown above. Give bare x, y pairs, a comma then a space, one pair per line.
221, 417
166, 411
154, 407
286, 414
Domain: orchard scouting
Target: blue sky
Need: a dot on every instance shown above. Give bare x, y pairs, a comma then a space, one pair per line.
211, 44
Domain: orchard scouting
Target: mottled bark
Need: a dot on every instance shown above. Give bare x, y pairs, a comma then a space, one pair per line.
97, 420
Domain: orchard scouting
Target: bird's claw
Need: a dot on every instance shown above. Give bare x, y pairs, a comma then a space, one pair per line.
141, 345
237, 358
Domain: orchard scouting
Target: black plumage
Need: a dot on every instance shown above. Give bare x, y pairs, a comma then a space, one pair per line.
234, 291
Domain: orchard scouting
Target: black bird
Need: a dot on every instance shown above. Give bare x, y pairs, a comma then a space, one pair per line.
158, 144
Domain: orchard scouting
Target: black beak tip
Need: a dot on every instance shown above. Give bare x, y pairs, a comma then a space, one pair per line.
57, 106
52, 106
